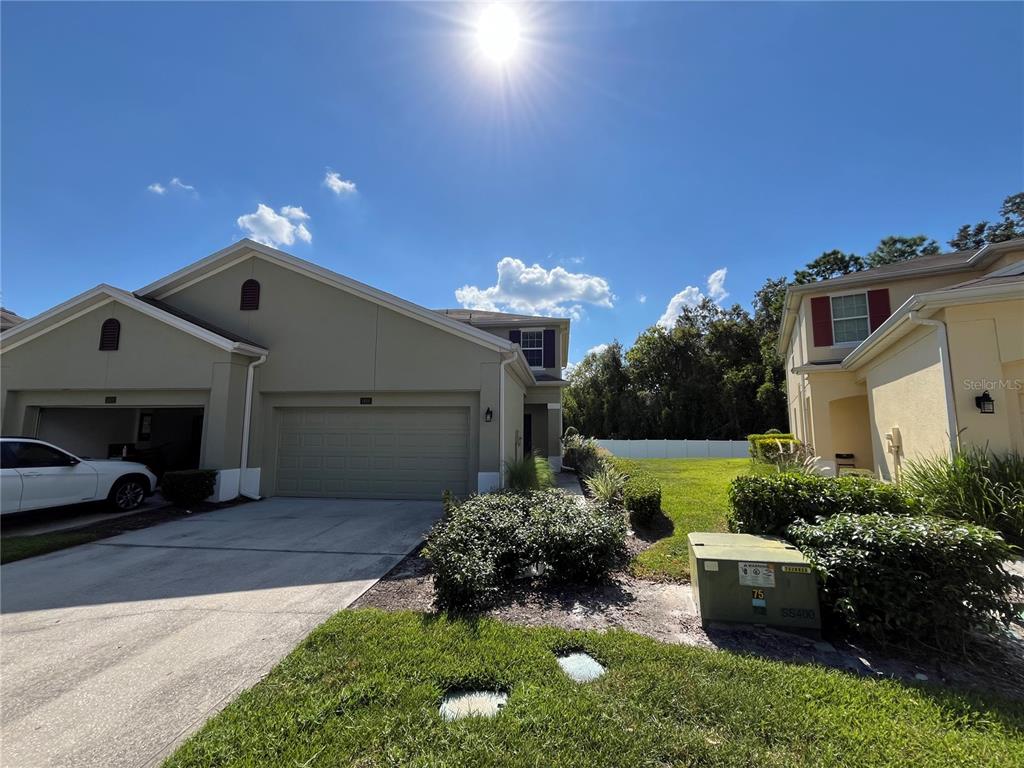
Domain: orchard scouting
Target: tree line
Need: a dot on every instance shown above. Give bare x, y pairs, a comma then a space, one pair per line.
716, 373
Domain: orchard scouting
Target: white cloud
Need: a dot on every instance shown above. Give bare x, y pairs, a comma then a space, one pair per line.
274, 229
174, 184
597, 350
338, 185
642, 298
177, 183
716, 284
691, 296
295, 213
537, 291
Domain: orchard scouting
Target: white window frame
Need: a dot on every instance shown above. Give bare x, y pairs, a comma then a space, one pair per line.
832, 313
540, 331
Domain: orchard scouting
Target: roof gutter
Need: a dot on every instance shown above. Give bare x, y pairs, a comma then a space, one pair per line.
243, 465
947, 375
501, 415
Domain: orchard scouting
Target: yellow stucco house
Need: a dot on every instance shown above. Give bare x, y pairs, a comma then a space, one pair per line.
909, 360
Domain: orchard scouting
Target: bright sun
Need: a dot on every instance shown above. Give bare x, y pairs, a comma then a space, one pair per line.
498, 32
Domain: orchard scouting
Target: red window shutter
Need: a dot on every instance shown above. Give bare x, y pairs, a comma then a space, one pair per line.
821, 321
549, 348
515, 336
878, 307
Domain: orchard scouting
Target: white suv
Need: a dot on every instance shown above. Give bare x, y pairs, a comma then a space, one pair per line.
34, 475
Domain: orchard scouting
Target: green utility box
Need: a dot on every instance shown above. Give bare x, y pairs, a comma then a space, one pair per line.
748, 579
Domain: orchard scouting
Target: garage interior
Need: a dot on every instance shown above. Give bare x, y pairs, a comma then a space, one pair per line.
164, 439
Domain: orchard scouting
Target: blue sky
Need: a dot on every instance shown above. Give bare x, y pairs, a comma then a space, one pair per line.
626, 153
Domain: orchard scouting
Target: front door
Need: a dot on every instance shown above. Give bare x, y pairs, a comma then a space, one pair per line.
527, 434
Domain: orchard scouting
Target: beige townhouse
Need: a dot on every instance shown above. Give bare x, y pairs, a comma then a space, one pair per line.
288, 379
908, 360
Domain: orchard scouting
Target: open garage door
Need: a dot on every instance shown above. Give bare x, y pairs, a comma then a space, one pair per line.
383, 453
164, 439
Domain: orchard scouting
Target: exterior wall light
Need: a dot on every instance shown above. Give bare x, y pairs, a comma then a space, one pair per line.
985, 402
488, 415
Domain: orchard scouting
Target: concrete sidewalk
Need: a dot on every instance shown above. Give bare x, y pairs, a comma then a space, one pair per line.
113, 652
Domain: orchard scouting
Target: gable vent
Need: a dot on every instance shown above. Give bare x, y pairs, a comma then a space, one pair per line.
250, 295
110, 335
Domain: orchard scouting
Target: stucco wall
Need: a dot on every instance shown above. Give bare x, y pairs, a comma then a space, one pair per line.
503, 331
154, 365
88, 432
324, 339
986, 349
149, 356
329, 347
906, 388
825, 436
899, 292
850, 424
513, 410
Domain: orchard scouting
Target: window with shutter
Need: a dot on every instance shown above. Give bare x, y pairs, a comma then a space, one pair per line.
532, 343
850, 318
250, 295
110, 335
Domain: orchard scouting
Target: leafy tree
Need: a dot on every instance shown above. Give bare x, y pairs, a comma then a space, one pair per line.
716, 372
896, 248
830, 264
972, 237
969, 238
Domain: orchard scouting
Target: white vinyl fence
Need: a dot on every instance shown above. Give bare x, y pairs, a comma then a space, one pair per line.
677, 449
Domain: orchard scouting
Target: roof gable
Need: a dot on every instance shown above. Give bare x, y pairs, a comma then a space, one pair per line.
103, 294
246, 248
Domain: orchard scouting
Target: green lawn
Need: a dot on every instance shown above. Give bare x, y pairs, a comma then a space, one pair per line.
364, 689
695, 497
19, 547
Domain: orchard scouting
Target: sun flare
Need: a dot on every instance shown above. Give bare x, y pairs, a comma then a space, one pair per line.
498, 33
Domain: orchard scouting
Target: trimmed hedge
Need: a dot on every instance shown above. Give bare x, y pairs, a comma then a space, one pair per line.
923, 580
484, 544
767, 504
641, 494
769, 446
188, 487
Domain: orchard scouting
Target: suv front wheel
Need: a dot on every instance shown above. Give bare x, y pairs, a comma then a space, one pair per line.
128, 493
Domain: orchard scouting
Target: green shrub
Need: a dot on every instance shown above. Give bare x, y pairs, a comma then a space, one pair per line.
641, 494
767, 504
482, 545
911, 580
606, 485
530, 473
583, 453
578, 543
975, 485
758, 441
188, 487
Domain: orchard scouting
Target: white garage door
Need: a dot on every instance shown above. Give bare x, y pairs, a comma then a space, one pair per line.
381, 453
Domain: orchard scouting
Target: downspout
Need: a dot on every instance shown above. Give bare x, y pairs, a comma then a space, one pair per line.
246, 423
947, 375
501, 417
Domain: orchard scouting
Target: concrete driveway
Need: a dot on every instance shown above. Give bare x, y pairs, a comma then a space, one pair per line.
114, 652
